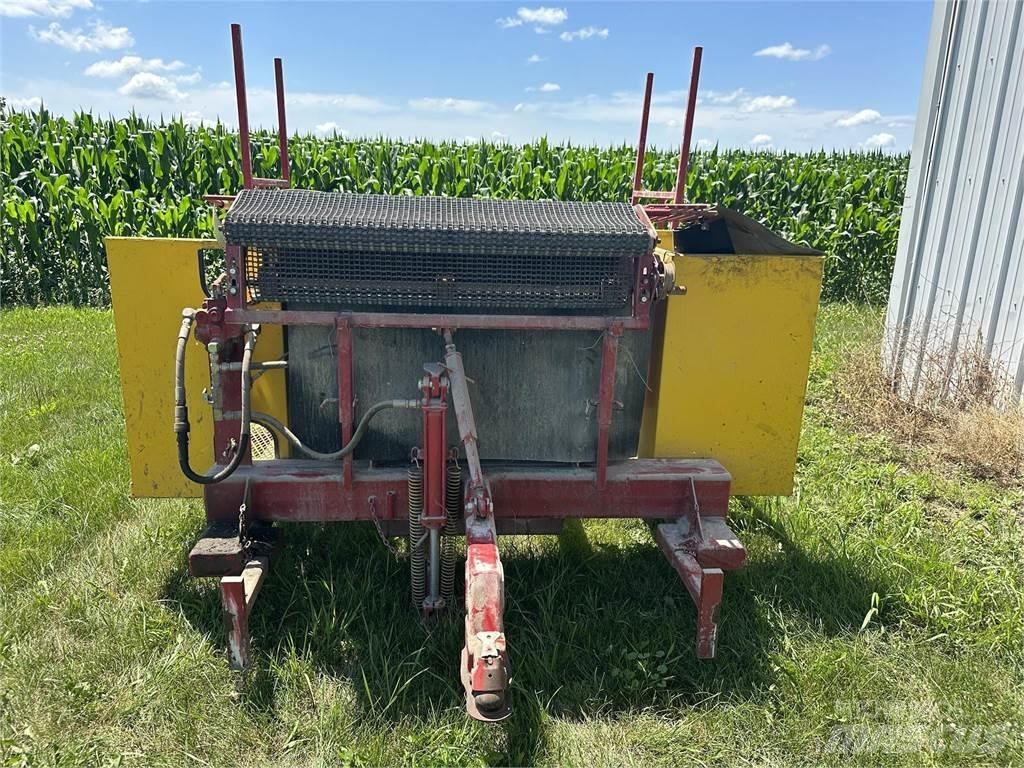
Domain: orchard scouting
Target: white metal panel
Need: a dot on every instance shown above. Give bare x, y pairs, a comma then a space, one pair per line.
958, 282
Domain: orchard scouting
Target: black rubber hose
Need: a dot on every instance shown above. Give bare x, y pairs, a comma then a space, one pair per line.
181, 422
202, 273
268, 421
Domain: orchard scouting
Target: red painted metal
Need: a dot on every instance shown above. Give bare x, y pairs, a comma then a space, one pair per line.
243, 107
237, 594
229, 395
700, 547
236, 621
485, 674
484, 656
435, 444
606, 400
346, 392
282, 123
641, 147
670, 214
302, 490
691, 108
234, 263
410, 320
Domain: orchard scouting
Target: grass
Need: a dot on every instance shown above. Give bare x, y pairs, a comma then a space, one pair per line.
880, 618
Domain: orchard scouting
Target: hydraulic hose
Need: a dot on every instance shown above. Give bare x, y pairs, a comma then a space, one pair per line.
268, 421
181, 422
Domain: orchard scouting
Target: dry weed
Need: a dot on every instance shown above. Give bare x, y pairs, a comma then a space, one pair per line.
964, 411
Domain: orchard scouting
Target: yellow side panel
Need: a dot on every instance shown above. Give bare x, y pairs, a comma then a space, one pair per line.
151, 281
733, 366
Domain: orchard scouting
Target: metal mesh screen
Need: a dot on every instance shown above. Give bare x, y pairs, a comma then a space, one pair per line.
378, 251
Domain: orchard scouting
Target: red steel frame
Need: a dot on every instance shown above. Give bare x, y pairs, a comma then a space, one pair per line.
692, 492
671, 208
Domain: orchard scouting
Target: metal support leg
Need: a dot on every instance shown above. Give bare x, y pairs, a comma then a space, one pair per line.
434, 386
484, 657
699, 548
237, 595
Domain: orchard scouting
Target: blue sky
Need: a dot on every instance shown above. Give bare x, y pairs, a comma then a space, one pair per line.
775, 74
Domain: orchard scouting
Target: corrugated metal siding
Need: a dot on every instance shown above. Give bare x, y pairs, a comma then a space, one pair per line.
959, 278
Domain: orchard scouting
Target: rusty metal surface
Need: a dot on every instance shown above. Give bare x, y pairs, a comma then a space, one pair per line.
306, 490
638, 321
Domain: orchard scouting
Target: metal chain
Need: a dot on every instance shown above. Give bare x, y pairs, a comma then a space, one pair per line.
243, 528
398, 555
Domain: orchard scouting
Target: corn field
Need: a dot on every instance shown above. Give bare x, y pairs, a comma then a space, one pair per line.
67, 184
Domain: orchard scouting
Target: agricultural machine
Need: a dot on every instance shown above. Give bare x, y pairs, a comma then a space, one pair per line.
464, 367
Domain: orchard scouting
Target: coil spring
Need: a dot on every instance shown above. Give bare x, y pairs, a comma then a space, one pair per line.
417, 554
453, 507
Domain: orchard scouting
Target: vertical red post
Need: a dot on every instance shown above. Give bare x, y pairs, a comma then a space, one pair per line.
346, 395
641, 147
435, 445
606, 400
691, 108
282, 127
243, 107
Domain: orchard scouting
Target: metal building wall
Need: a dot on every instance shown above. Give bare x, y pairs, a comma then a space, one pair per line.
958, 285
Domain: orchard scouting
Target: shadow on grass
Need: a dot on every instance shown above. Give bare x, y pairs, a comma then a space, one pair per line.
594, 628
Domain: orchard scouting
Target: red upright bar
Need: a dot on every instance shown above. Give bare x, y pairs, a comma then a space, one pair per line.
641, 147
282, 127
243, 108
691, 108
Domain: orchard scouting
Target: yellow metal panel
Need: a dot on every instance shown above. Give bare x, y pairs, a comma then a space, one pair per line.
151, 281
731, 363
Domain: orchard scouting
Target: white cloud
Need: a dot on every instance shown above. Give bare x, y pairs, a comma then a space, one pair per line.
546, 88
498, 136
194, 118
25, 8
705, 143
461, 106
863, 117
761, 140
543, 15
718, 97
27, 104
879, 140
100, 37
193, 78
769, 103
535, 58
146, 85
540, 16
129, 65
585, 33
328, 129
604, 118
791, 53
350, 102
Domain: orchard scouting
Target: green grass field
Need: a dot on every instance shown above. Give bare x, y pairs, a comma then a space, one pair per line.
880, 618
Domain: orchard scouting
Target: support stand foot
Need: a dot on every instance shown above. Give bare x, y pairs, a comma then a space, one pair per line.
237, 595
